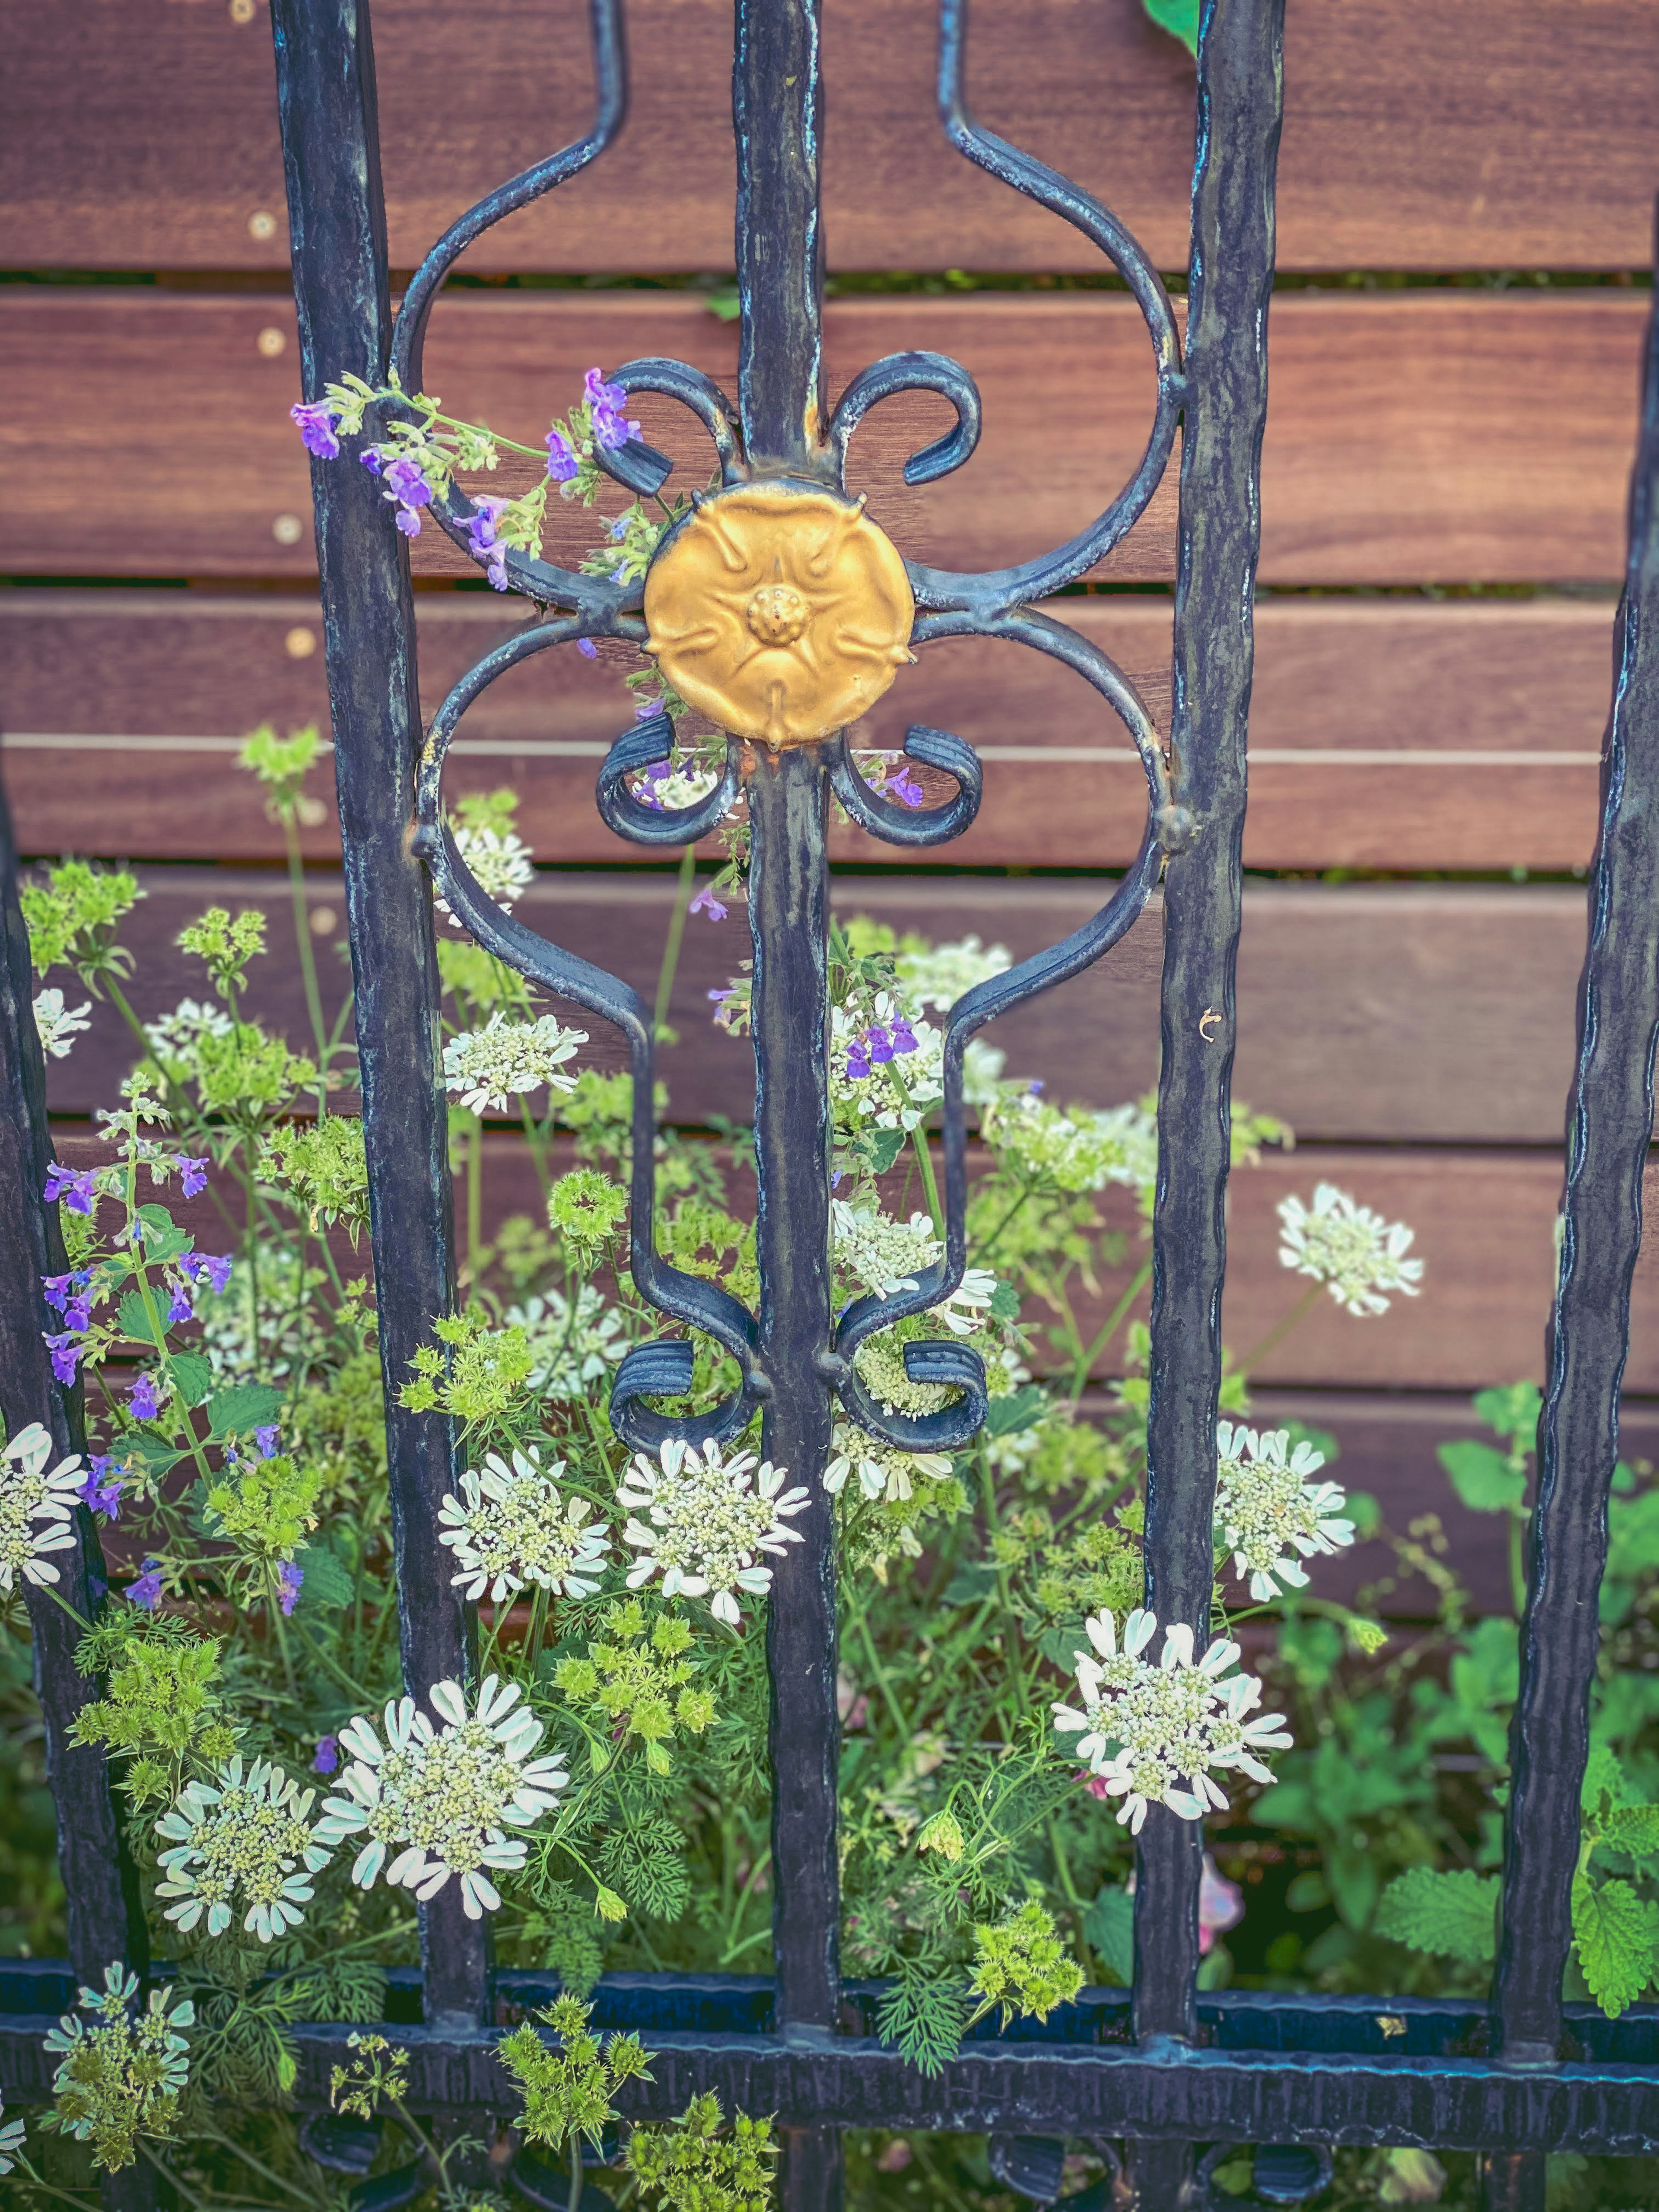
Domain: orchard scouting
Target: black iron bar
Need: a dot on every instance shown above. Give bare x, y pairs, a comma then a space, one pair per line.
101, 1885
1609, 1129
1239, 105
337, 214
777, 113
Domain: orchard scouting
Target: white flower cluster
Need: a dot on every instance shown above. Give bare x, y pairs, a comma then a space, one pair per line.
1266, 1511
876, 1099
886, 1255
506, 1058
1075, 1148
500, 860
511, 1527
139, 2057
176, 1036
36, 1506
1357, 1254
570, 1350
447, 1794
1144, 1729
246, 1842
940, 977
707, 1518
884, 1471
58, 1026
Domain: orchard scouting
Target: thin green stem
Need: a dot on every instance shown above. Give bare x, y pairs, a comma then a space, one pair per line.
296, 884
684, 885
889, 1698
1115, 1320
475, 1204
1278, 1332
34, 2181
936, 1211
53, 1591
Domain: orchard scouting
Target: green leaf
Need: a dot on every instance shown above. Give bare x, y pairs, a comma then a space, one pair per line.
972, 1583
1613, 1932
1178, 17
1021, 1409
192, 1376
1451, 1915
328, 1582
1603, 1777
1109, 1927
243, 1408
1511, 1412
1633, 1829
1483, 1477
163, 1239
1004, 1303
135, 1322
881, 1147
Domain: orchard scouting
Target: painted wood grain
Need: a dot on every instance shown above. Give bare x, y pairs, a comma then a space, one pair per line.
1504, 134
1430, 437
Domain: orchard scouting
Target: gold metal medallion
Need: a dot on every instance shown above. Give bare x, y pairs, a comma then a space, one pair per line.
782, 614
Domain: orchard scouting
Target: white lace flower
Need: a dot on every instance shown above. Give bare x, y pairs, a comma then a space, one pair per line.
511, 1527
36, 1506
1351, 1250
884, 1470
244, 1842
446, 1794
499, 859
1077, 1150
886, 1255
938, 977
130, 2060
176, 1035
58, 1025
708, 1517
12, 2140
570, 1352
1266, 1511
1170, 1723
506, 1058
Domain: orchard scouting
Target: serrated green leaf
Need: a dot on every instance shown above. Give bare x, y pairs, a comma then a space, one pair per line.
1633, 1829
1603, 1777
1452, 1915
1004, 1303
1614, 1932
1511, 1411
244, 1407
163, 1239
192, 1376
1110, 1926
1483, 1477
1020, 1409
1178, 17
135, 1322
328, 1582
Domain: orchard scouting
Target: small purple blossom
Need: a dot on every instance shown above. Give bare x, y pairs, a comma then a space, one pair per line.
372, 460
64, 1352
56, 1289
562, 462
879, 1044
858, 1064
211, 1267
147, 1590
405, 481
720, 997
904, 1037
904, 786
408, 520
619, 573
588, 649
79, 1191
619, 529
645, 708
706, 902
102, 1490
269, 1440
1034, 1088
611, 428
316, 422
288, 1579
143, 1403
481, 541
193, 1174
326, 1756
179, 1309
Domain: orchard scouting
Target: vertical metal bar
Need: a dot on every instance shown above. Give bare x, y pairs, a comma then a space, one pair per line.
337, 215
1239, 105
100, 1887
1609, 1126
777, 111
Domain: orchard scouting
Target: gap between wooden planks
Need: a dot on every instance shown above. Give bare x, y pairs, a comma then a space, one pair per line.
1502, 134
1384, 732
1435, 436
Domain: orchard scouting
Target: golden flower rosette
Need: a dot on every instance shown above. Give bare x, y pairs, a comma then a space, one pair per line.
781, 612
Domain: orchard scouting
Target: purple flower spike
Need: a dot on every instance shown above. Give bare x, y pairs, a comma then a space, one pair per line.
904, 1037
79, 1192
562, 462
143, 1403
288, 1579
904, 786
147, 1591
179, 1309
101, 1491
193, 1174
316, 427
879, 1045
269, 1440
588, 649
64, 1352
605, 401
706, 902
327, 1755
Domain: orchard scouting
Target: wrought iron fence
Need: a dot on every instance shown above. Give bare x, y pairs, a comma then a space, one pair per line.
1160, 2079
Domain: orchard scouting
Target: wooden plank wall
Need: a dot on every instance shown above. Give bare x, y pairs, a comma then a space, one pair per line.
1464, 221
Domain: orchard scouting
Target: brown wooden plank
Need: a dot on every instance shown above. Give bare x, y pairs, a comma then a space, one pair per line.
1381, 1013
1514, 133
1423, 438
1488, 717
